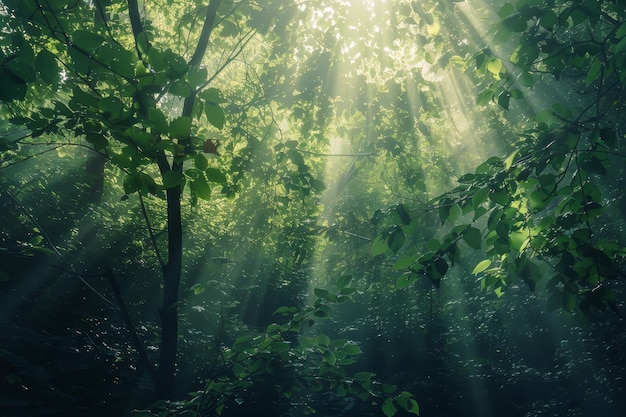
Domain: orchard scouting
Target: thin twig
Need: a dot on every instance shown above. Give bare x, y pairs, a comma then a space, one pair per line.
150, 231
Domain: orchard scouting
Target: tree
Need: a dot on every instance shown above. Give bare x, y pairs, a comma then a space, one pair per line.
115, 87
107, 83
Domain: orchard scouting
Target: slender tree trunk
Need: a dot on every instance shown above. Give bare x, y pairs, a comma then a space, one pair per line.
172, 270
169, 309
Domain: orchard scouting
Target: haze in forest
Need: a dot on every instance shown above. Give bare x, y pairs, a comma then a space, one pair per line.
331, 208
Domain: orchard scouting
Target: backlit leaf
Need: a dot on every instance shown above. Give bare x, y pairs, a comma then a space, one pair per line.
481, 266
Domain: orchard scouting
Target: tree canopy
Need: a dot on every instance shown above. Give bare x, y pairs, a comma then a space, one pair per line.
234, 205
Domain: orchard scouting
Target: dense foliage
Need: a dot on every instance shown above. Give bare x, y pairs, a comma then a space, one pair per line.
230, 207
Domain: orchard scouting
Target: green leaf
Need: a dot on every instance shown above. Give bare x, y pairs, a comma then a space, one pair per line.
403, 262
212, 96
180, 88
201, 162
396, 240
343, 281
515, 23
197, 289
473, 237
403, 213
321, 293
142, 43
482, 265
508, 162
131, 184
545, 116
379, 246
272, 328
215, 175
506, 10
389, 409
157, 119
87, 39
363, 376
329, 357
479, 197
173, 179
323, 340
518, 241
201, 188
440, 266
176, 66
389, 388
47, 67
405, 280
98, 141
503, 99
412, 407
197, 76
548, 19
494, 66
242, 340
11, 87
454, 213
539, 200
594, 71
215, 115
351, 349
499, 196
111, 106
180, 127
295, 157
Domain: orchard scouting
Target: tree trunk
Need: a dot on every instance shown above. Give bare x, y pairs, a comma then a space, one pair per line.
172, 270
169, 310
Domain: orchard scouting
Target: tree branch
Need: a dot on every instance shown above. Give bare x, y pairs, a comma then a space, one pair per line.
207, 29
201, 47
151, 232
135, 22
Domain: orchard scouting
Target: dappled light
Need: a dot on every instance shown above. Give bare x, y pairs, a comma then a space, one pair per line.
334, 208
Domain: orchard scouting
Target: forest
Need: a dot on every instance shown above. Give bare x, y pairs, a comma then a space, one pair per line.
312, 207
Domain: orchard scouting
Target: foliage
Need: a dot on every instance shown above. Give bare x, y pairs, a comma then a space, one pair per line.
545, 208
284, 367
201, 186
